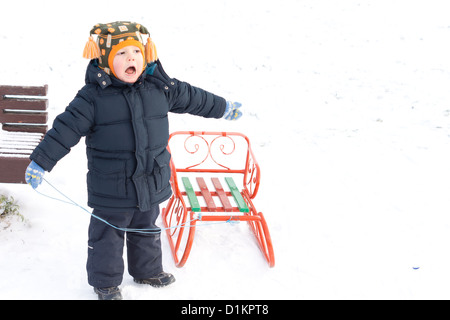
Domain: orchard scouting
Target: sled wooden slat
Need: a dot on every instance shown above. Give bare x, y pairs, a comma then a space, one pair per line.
222, 195
206, 195
237, 195
195, 206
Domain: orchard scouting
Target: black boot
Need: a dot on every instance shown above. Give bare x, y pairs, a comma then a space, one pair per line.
112, 293
160, 280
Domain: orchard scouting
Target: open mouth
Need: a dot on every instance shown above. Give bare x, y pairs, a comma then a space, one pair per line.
130, 70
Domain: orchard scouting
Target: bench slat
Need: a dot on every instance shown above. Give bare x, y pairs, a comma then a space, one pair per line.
24, 104
25, 127
206, 195
23, 117
195, 206
237, 195
24, 90
222, 195
5, 141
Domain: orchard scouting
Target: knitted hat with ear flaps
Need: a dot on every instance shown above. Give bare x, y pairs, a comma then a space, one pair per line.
111, 37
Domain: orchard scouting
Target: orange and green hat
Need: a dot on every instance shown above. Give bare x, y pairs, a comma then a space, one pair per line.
111, 37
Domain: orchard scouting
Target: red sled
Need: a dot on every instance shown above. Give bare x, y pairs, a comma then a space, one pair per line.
224, 168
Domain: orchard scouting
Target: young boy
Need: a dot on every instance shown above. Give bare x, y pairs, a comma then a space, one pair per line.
122, 111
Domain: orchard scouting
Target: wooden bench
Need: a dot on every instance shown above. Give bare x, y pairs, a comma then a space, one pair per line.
216, 159
23, 117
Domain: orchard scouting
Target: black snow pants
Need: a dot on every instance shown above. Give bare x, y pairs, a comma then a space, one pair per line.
105, 264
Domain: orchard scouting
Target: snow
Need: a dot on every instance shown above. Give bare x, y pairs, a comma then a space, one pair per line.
346, 104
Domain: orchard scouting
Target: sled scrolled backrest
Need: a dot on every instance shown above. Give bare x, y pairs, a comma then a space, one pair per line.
214, 152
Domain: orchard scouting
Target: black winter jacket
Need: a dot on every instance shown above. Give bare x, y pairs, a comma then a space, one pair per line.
127, 130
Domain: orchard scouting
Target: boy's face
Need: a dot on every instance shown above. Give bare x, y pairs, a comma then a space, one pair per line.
128, 64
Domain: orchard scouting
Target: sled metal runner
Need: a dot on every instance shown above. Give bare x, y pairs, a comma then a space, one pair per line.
202, 164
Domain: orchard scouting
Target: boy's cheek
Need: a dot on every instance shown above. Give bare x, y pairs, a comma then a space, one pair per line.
117, 64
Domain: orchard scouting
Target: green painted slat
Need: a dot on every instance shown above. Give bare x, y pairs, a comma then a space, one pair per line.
195, 206
237, 195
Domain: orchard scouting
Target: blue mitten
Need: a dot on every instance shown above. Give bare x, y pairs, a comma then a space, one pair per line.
232, 111
34, 174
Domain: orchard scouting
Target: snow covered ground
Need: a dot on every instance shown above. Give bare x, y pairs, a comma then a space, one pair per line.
347, 105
